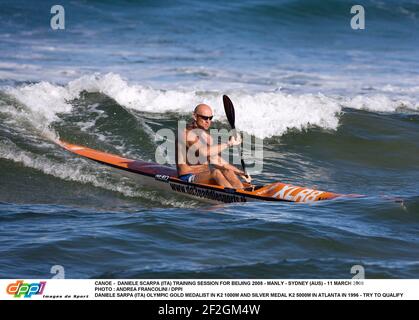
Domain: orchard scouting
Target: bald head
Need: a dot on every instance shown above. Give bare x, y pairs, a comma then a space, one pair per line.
203, 109
202, 116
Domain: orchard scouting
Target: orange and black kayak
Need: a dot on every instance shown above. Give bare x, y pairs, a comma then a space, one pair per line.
165, 178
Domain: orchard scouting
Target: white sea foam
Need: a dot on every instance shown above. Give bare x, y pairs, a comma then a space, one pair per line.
379, 103
78, 171
44, 99
10, 151
263, 114
42, 102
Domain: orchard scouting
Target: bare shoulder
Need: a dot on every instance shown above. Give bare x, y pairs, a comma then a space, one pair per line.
191, 135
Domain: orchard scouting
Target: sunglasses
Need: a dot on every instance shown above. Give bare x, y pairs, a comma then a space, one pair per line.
205, 117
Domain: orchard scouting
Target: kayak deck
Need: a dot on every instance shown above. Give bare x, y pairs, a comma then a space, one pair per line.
164, 176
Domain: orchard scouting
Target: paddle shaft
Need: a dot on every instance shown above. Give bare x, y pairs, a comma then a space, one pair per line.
230, 113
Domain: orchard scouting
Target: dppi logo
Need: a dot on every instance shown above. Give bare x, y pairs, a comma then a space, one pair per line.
20, 288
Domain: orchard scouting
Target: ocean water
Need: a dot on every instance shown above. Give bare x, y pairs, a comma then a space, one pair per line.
336, 108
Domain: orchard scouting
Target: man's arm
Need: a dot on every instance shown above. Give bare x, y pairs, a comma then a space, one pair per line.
220, 163
205, 148
180, 149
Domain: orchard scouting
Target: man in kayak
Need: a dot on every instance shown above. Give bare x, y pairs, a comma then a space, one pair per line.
195, 140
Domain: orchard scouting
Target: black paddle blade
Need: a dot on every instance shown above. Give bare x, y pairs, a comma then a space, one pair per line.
229, 110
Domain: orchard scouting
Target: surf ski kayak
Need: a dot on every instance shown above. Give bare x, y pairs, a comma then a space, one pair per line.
165, 179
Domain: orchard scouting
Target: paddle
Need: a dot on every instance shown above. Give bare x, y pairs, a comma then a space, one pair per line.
231, 117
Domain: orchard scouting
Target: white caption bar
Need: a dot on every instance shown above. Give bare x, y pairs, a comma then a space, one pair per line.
208, 289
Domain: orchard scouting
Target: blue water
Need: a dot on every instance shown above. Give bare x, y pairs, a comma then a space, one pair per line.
337, 109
